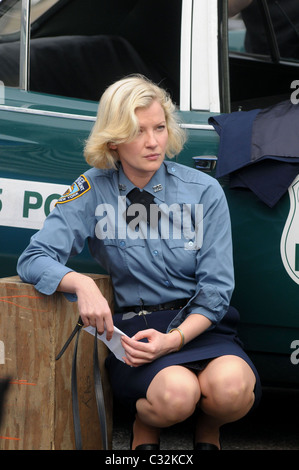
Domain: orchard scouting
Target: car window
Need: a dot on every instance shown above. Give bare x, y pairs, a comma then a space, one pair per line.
284, 16
264, 53
10, 15
251, 29
10, 33
10, 23
78, 48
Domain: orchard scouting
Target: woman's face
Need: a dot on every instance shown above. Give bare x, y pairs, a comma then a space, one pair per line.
143, 156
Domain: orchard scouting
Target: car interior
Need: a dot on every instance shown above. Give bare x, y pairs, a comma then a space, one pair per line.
262, 72
102, 42
78, 48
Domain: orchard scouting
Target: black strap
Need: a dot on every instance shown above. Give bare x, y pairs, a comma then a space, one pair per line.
75, 330
99, 394
75, 401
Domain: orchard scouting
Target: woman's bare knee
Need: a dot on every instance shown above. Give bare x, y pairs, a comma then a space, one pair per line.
227, 387
172, 396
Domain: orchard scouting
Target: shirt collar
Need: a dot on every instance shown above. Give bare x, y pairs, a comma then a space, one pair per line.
156, 185
124, 184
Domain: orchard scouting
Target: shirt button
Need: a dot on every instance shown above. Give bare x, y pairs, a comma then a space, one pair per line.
167, 283
122, 243
190, 243
155, 252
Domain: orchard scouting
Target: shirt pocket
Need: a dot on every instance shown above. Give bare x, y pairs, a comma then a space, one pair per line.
124, 254
124, 244
182, 243
181, 257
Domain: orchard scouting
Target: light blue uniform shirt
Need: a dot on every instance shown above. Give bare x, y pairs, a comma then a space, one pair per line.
188, 255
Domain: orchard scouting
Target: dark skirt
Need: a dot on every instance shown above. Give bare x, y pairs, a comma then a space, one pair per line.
131, 383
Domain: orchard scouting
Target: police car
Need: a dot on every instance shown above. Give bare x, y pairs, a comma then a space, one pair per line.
57, 57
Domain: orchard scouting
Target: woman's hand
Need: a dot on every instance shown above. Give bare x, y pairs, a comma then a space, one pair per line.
158, 344
93, 307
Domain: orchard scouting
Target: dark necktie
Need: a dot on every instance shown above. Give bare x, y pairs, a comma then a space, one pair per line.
140, 197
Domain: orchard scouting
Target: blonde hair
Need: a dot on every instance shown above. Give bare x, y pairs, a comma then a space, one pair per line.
117, 122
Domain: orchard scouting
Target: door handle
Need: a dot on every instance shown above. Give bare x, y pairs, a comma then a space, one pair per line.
205, 162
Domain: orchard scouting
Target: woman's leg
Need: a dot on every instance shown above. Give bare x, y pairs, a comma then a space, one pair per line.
171, 398
227, 394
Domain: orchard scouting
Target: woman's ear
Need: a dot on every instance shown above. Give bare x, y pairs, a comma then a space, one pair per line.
112, 146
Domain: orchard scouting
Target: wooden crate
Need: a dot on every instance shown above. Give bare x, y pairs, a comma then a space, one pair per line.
38, 404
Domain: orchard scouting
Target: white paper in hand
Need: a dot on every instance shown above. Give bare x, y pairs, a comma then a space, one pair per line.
114, 344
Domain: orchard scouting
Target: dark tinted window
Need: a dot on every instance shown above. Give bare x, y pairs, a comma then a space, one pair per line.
264, 53
79, 47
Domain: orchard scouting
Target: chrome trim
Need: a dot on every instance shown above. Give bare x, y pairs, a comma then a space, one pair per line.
202, 127
25, 46
185, 48
39, 112
79, 117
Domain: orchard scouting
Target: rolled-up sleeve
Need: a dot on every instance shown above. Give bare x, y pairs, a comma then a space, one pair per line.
43, 263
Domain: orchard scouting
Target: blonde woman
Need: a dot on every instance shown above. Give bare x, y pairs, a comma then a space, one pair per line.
162, 232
